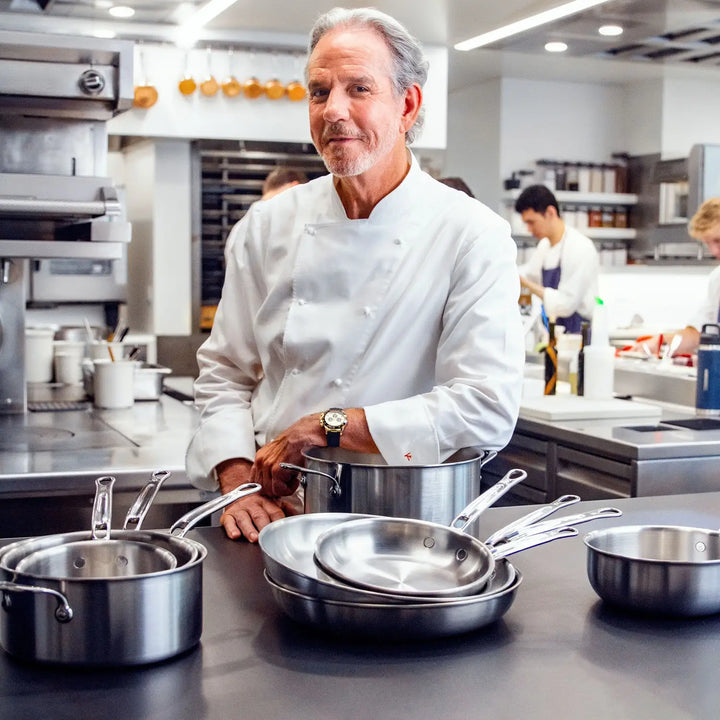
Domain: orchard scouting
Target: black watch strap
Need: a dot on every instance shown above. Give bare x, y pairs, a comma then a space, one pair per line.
333, 438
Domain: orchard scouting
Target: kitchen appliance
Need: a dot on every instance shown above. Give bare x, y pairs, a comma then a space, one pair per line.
56, 204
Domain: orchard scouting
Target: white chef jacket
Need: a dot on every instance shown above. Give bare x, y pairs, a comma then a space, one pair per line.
708, 313
411, 314
579, 268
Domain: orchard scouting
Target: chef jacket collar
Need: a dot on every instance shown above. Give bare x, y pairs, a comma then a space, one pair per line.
386, 211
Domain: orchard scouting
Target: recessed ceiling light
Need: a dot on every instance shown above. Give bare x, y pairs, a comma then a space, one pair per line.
541, 18
121, 11
610, 30
556, 46
107, 34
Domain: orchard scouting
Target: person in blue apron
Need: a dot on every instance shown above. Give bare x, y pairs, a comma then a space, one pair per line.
705, 227
563, 269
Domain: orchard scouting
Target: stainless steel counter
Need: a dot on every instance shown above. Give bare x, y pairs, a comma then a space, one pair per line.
557, 651
49, 460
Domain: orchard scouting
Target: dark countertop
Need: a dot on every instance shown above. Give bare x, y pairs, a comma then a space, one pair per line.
557, 651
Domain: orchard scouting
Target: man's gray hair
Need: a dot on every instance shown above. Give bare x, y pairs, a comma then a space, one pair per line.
411, 66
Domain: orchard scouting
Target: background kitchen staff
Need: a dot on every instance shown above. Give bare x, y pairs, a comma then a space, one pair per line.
375, 291
705, 226
563, 269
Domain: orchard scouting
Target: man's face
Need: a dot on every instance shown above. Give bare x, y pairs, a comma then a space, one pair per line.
538, 224
355, 116
711, 238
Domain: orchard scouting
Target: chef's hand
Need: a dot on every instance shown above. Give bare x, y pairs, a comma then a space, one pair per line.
247, 516
287, 447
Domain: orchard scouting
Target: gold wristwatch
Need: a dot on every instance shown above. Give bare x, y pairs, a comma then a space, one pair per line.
333, 422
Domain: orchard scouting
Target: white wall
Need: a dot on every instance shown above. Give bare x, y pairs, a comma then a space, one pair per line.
473, 151
238, 118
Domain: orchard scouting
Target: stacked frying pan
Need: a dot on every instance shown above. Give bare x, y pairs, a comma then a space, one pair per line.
405, 579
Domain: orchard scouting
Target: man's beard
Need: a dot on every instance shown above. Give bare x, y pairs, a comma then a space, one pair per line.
357, 162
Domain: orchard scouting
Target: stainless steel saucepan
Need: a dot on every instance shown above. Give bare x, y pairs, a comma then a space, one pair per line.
657, 569
122, 620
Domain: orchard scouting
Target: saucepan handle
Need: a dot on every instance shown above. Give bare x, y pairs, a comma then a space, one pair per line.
566, 520
335, 488
63, 611
189, 520
102, 508
138, 510
526, 542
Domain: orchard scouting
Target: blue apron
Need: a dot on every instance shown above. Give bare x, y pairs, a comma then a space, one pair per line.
551, 279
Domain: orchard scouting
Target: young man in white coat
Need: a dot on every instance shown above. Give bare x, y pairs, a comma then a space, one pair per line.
373, 308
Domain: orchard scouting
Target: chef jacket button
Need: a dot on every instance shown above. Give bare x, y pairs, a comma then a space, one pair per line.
301, 301
337, 382
295, 371
367, 311
309, 230
397, 241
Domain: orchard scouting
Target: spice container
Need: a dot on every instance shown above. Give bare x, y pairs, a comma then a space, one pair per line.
583, 177
609, 180
569, 214
571, 179
595, 219
621, 217
608, 217
596, 178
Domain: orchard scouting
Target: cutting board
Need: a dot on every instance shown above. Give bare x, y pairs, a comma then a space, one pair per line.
572, 407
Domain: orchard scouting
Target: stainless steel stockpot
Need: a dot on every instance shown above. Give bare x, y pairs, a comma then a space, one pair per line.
106, 621
658, 569
339, 480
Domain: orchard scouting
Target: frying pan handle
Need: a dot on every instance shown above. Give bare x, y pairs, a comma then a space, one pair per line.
138, 510
511, 530
484, 501
529, 541
63, 611
189, 520
531, 530
335, 488
102, 508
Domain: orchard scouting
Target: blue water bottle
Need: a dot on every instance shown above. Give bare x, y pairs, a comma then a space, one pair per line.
707, 394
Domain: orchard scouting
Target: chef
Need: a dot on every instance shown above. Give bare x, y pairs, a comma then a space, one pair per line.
373, 308
704, 226
563, 269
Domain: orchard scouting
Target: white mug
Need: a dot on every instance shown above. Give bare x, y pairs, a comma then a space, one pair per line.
39, 354
113, 383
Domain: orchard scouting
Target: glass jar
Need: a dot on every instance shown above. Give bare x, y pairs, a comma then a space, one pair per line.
571, 180
596, 178
569, 215
595, 218
621, 217
609, 179
583, 177
608, 217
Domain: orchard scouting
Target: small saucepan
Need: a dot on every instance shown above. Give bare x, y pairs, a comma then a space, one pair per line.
666, 570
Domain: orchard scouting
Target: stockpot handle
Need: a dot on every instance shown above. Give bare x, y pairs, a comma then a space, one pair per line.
511, 529
546, 525
335, 489
138, 510
63, 611
189, 520
484, 501
489, 455
102, 508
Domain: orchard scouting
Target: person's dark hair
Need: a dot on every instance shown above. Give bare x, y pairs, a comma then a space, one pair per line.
458, 184
283, 176
411, 66
537, 198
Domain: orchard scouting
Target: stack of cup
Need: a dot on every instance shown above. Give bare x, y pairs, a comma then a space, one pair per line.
68, 357
39, 354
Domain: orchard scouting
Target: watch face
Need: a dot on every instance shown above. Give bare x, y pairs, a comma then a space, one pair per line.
335, 419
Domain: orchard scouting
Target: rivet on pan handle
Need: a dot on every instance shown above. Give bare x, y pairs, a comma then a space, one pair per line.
484, 501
